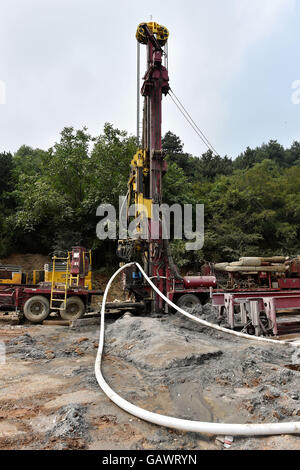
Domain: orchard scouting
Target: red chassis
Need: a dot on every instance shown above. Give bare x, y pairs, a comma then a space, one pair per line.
260, 312
14, 297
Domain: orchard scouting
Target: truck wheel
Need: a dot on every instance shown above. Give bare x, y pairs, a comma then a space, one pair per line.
74, 309
36, 309
188, 301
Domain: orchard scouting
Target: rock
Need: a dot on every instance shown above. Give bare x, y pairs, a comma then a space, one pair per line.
153, 345
70, 422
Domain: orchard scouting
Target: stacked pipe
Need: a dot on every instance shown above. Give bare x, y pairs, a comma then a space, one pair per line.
276, 264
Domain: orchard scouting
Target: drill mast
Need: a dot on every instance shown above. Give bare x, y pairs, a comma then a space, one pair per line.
147, 243
148, 165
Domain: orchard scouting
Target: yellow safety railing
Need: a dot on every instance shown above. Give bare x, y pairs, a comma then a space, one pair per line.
59, 303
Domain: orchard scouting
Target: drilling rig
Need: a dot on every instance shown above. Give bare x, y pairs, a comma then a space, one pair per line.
145, 190
265, 307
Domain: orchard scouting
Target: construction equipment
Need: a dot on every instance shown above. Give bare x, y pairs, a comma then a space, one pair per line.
261, 295
252, 281
10, 274
66, 287
79, 268
77, 273
59, 291
261, 272
145, 189
77, 263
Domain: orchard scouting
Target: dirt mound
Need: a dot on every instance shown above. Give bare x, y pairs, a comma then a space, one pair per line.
70, 422
204, 377
206, 312
27, 261
148, 343
100, 280
50, 399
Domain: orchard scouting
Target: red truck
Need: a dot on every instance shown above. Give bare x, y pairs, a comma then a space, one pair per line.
66, 288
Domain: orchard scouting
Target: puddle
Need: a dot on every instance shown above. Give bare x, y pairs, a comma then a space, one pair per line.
192, 403
189, 402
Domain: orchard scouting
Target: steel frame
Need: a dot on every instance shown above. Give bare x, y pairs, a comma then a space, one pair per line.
252, 304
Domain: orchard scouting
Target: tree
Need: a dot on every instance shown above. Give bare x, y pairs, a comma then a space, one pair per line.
253, 212
210, 166
48, 199
51, 191
207, 167
271, 151
28, 161
246, 160
6, 166
293, 154
6, 202
110, 165
57, 206
176, 186
171, 143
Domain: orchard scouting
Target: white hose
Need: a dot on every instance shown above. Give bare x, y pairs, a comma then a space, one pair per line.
203, 322
176, 423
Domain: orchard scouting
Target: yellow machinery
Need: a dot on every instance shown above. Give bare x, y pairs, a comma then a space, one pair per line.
71, 272
11, 274
161, 33
60, 284
59, 270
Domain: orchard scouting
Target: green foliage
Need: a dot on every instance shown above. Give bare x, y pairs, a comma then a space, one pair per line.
183, 258
176, 186
253, 212
28, 161
48, 199
271, 151
171, 143
252, 204
110, 165
57, 192
6, 202
6, 166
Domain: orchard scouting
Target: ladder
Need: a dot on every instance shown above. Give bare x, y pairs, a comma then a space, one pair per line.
73, 280
58, 296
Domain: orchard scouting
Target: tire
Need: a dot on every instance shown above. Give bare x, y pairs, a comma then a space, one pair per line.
36, 309
188, 301
75, 309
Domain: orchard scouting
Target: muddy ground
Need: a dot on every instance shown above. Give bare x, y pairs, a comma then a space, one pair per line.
49, 397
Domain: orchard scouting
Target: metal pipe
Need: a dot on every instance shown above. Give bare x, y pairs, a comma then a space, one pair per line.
166, 56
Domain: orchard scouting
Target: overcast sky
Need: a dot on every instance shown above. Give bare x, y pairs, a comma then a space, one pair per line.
73, 63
